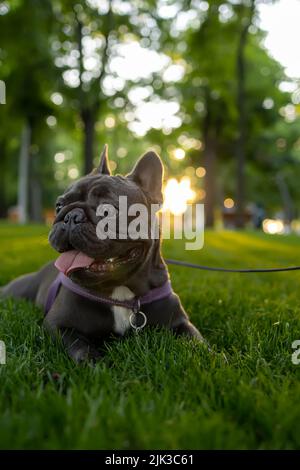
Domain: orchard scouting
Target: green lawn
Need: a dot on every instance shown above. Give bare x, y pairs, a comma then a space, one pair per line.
156, 391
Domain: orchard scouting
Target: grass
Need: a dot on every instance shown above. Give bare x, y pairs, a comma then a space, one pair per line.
156, 391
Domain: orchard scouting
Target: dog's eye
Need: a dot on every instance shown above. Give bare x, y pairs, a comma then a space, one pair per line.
58, 207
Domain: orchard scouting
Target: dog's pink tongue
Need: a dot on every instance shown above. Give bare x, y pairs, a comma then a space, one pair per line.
72, 260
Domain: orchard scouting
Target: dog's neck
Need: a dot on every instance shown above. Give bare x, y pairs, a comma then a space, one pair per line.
153, 273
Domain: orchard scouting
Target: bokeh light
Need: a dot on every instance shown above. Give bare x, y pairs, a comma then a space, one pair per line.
113, 165
51, 121
273, 227
201, 194
110, 122
229, 203
122, 152
73, 173
59, 157
200, 172
179, 154
177, 194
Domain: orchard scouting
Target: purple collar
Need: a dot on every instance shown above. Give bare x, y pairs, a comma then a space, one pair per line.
157, 293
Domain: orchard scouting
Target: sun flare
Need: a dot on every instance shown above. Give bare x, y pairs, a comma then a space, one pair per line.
177, 195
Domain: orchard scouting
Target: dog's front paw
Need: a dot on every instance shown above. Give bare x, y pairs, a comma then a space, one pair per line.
186, 328
83, 352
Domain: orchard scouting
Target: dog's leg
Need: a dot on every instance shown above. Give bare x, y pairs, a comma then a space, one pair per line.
179, 321
29, 285
188, 329
78, 347
24, 287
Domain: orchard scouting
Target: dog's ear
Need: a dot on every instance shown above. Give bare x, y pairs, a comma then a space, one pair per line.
103, 168
148, 174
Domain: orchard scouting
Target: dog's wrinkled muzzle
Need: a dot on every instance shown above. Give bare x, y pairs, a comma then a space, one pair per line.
75, 217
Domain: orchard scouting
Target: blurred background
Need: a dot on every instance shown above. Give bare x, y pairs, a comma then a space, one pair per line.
212, 86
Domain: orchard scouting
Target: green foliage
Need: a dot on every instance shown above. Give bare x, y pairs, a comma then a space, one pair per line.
39, 44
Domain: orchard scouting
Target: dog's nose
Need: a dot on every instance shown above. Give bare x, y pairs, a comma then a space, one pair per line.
75, 217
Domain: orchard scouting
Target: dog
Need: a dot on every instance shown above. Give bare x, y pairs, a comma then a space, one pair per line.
109, 286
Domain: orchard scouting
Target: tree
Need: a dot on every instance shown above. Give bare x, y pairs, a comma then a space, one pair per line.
87, 39
245, 16
219, 96
28, 72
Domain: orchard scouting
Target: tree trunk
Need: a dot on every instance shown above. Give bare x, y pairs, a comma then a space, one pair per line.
210, 179
241, 140
210, 165
287, 200
23, 173
88, 119
90, 101
86, 112
36, 206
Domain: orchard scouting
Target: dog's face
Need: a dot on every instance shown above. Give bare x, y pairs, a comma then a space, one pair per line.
112, 260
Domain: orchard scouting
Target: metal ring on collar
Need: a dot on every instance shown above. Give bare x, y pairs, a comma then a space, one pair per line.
133, 324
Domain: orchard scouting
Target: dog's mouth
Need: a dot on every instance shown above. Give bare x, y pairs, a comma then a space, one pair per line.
73, 260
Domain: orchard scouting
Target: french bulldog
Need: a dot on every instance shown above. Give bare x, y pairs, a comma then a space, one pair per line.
117, 269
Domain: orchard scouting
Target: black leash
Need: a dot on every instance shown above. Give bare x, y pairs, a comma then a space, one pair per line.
230, 270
